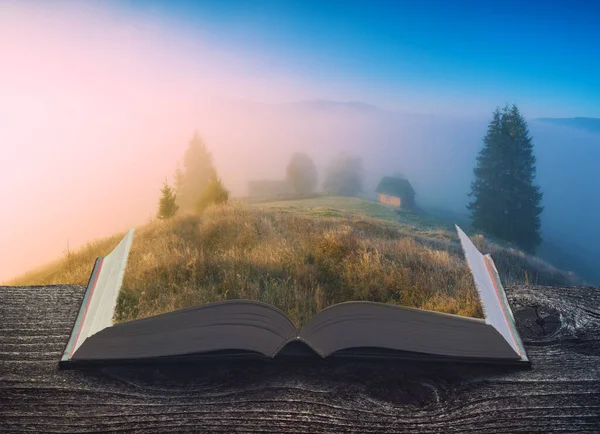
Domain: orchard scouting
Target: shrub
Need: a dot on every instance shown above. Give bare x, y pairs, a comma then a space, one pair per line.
345, 176
301, 174
214, 193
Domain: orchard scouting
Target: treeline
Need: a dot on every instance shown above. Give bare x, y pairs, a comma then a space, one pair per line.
197, 184
505, 203
344, 176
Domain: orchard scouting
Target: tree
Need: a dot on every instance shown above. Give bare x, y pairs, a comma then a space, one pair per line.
345, 176
198, 169
179, 180
214, 193
167, 206
506, 201
301, 173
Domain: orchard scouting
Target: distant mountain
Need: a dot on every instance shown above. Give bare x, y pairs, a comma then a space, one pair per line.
351, 109
326, 105
317, 107
588, 124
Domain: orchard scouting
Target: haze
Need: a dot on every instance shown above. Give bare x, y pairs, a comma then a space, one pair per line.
99, 100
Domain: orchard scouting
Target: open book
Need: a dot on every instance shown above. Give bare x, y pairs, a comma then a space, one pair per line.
243, 328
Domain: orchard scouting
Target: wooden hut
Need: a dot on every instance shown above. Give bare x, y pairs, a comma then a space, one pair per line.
396, 192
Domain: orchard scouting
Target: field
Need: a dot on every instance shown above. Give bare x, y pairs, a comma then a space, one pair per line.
301, 255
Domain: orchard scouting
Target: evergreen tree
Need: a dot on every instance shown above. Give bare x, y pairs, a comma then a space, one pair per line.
167, 207
198, 170
506, 201
301, 173
179, 180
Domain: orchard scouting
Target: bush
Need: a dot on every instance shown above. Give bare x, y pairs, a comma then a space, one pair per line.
302, 174
214, 193
345, 176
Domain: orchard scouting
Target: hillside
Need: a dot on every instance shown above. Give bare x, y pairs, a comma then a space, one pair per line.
582, 123
301, 256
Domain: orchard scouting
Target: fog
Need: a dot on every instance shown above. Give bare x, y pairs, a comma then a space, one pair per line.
97, 108
437, 154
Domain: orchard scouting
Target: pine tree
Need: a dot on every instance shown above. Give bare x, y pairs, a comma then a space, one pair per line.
506, 202
198, 170
179, 180
167, 207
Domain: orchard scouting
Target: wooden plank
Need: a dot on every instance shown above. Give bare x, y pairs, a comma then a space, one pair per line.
560, 328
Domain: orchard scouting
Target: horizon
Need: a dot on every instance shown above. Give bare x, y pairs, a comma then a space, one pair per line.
369, 104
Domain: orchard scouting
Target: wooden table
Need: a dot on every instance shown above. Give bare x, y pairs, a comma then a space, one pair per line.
559, 326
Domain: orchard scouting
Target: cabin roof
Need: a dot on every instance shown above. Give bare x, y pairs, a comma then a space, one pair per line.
394, 186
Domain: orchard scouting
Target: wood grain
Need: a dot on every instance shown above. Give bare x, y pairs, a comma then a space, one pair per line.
561, 393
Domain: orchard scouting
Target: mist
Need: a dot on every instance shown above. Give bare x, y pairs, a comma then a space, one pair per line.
98, 107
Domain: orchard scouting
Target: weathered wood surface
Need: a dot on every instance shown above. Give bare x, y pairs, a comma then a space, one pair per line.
560, 328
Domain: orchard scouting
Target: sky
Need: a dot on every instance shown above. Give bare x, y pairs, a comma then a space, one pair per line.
544, 55
98, 99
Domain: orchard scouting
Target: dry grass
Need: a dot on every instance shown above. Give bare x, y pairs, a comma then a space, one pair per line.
518, 268
298, 261
73, 268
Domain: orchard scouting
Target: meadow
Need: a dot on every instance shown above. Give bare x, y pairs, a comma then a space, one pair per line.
300, 255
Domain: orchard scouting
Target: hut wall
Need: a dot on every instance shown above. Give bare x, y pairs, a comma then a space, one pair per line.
390, 200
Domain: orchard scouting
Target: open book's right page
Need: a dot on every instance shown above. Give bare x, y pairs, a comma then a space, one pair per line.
493, 299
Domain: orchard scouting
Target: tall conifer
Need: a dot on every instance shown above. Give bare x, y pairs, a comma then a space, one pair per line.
506, 202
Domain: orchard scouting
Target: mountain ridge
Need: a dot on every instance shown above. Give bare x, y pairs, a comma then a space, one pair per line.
589, 124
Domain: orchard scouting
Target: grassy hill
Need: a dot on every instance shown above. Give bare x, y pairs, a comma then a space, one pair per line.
301, 255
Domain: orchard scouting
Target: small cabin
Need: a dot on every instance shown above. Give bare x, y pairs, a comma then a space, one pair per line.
396, 192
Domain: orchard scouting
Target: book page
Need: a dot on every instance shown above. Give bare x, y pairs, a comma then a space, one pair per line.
495, 306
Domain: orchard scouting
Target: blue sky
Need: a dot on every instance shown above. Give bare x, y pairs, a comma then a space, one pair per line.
435, 55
